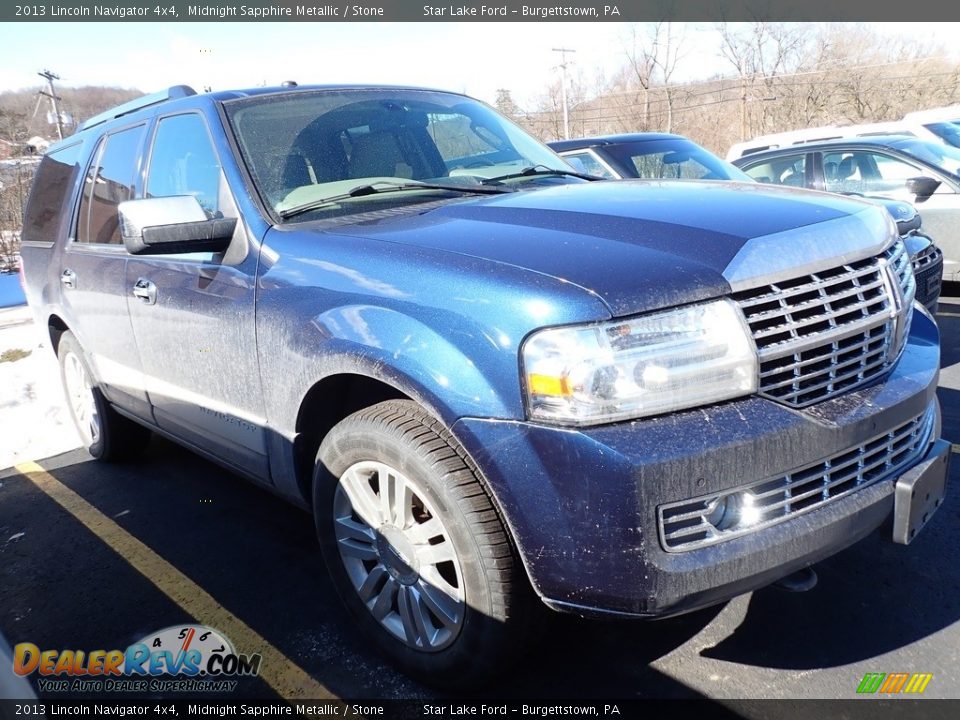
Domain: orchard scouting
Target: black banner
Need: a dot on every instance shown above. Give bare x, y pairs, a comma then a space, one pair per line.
480, 11
629, 709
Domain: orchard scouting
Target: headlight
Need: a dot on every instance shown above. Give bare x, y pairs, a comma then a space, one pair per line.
666, 361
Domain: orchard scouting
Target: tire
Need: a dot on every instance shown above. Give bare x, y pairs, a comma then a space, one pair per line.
444, 595
106, 434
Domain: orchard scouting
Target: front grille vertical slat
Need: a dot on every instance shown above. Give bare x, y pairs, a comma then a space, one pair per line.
829, 332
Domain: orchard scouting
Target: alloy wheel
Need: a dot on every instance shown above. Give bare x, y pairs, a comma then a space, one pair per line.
399, 556
83, 404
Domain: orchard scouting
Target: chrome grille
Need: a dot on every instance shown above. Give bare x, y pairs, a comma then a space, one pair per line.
828, 332
694, 523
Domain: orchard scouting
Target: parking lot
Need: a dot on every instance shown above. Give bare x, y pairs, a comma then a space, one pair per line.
95, 556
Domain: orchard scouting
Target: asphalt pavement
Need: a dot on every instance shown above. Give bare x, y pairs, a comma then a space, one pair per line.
98, 556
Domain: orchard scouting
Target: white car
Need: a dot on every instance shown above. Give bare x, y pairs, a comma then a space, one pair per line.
940, 126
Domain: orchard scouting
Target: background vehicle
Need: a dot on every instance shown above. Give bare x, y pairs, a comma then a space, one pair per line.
487, 378
925, 256
943, 122
645, 155
661, 155
941, 125
923, 173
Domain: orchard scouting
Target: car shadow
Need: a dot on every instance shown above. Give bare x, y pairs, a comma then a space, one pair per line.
604, 659
258, 556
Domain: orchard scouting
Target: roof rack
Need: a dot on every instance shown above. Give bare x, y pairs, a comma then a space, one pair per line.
171, 93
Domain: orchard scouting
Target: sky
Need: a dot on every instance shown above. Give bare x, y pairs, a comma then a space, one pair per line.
472, 57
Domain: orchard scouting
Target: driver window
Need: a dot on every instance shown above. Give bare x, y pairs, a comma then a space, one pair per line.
842, 172
183, 162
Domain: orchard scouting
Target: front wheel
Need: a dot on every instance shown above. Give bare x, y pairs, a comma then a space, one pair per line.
415, 548
105, 433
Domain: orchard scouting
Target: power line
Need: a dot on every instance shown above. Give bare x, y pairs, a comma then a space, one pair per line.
737, 78
602, 116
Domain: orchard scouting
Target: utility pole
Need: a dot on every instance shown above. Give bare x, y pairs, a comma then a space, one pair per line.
743, 109
563, 89
54, 99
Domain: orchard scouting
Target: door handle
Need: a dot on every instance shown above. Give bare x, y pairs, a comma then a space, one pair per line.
145, 291
68, 278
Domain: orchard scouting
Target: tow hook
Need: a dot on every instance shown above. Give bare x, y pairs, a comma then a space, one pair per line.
799, 581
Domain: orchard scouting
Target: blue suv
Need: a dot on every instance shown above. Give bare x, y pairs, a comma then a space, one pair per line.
496, 383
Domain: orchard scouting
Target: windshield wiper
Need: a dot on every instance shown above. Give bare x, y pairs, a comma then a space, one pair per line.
377, 188
540, 171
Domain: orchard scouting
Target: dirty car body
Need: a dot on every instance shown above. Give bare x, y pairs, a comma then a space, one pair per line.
642, 377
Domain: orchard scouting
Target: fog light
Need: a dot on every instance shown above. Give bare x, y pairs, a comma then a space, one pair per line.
749, 512
723, 512
733, 511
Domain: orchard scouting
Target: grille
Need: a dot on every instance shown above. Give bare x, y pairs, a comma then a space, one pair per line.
694, 523
928, 270
928, 256
828, 332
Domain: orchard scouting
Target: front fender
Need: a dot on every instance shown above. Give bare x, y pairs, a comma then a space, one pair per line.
466, 373
442, 373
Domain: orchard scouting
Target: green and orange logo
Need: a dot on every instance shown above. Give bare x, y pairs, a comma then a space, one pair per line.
893, 683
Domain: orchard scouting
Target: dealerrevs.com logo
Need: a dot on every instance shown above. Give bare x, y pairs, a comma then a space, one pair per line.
181, 658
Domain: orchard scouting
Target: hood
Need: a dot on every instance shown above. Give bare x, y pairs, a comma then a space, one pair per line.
642, 245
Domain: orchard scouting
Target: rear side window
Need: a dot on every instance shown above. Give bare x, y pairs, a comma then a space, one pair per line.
109, 182
50, 197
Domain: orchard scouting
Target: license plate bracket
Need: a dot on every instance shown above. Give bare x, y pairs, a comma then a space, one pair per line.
919, 492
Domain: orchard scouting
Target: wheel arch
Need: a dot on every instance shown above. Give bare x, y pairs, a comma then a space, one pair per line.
337, 396
56, 327
327, 402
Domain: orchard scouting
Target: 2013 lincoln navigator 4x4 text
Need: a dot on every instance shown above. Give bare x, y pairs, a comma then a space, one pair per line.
496, 383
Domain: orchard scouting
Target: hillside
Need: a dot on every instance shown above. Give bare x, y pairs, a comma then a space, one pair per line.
23, 113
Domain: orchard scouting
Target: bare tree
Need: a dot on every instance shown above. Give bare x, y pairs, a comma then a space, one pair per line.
653, 53
14, 186
668, 43
641, 57
761, 53
505, 104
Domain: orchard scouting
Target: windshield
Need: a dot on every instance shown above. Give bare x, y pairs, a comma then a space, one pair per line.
307, 146
949, 131
944, 157
673, 158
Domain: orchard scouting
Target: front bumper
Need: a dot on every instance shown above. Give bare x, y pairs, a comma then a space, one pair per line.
582, 504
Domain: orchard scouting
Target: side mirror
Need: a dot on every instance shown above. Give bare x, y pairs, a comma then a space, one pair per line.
922, 187
168, 225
